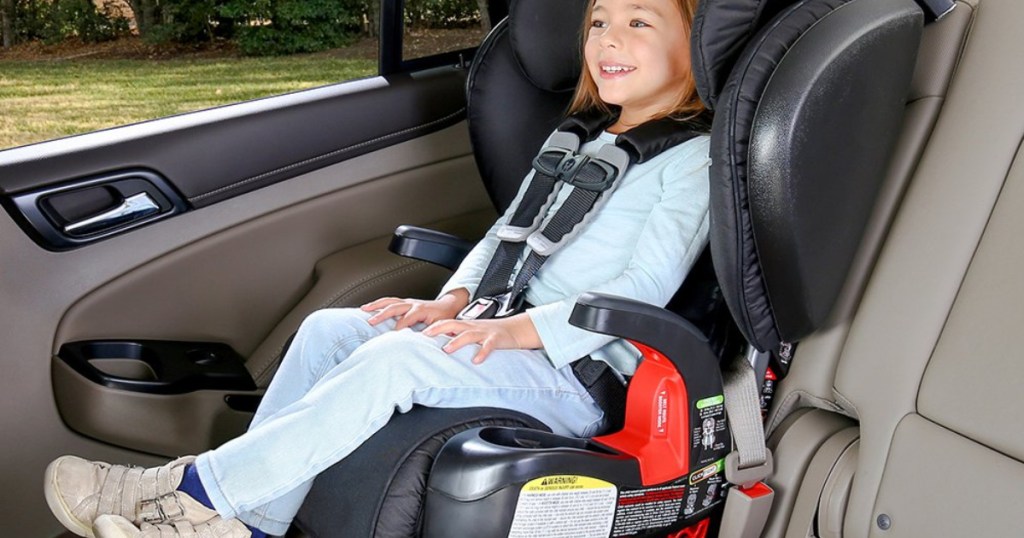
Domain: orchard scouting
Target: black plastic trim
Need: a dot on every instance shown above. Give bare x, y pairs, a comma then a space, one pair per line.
391, 28
178, 367
431, 246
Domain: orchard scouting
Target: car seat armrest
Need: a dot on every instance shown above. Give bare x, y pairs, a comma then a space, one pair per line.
432, 246
669, 334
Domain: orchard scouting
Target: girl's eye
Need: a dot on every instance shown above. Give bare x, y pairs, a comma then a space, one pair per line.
597, 24
638, 24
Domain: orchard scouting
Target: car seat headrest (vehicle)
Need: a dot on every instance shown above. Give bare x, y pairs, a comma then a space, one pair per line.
801, 139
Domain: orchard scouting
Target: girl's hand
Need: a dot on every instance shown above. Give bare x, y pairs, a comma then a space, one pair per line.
516, 332
412, 311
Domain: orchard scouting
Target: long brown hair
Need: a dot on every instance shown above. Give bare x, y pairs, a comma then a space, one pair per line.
587, 99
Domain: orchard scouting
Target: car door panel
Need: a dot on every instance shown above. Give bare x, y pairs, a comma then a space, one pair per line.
226, 270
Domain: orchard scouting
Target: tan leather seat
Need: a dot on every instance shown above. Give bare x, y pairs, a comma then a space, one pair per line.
925, 360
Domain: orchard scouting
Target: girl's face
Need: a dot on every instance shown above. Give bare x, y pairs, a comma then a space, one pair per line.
638, 53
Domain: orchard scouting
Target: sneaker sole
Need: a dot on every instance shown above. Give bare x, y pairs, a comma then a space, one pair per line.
60, 510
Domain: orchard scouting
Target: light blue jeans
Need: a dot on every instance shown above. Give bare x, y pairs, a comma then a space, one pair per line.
342, 379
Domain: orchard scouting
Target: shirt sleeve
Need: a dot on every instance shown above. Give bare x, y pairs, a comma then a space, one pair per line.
472, 268
657, 267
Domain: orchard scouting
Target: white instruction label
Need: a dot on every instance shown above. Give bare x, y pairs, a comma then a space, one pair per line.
565, 506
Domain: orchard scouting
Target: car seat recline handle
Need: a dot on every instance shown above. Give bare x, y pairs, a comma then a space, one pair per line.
675, 417
650, 325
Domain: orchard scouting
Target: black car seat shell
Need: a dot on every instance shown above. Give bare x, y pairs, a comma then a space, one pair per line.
807, 60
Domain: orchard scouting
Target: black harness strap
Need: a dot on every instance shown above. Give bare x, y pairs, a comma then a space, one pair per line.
498, 295
590, 178
536, 200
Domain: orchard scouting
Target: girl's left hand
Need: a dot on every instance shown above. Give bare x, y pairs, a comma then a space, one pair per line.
490, 334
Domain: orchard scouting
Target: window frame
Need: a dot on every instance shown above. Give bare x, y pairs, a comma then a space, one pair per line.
392, 35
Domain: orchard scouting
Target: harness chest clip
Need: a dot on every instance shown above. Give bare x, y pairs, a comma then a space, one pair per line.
496, 306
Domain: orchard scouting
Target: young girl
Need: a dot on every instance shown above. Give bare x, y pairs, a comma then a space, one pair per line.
348, 370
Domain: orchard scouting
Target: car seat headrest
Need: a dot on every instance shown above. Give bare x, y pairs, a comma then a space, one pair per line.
802, 134
545, 37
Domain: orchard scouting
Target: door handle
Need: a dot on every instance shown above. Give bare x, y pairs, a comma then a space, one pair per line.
133, 208
69, 215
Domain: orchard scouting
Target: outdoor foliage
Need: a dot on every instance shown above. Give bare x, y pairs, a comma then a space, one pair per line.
441, 13
260, 27
268, 27
189, 21
58, 20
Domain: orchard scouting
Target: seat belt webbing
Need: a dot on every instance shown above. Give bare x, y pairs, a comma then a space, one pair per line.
748, 503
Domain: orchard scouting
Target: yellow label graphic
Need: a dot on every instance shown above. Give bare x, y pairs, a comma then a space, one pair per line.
565, 482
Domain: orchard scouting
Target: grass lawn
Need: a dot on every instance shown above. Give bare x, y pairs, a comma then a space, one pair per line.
40, 100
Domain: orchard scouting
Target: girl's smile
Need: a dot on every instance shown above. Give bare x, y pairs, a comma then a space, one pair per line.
638, 53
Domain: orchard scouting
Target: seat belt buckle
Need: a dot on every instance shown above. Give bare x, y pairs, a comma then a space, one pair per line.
749, 502
496, 306
747, 476
746, 511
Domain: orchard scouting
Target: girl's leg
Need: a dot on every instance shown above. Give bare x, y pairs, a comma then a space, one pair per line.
324, 339
263, 476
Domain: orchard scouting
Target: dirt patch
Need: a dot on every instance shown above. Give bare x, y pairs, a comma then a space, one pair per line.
127, 48
418, 43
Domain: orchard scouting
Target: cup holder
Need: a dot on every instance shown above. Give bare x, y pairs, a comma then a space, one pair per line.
530, 439
158, 367
125, 369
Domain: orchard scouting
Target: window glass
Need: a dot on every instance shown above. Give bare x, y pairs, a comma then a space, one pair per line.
73, 66
434, 27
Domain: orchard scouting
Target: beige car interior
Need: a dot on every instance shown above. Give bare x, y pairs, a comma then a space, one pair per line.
901, 419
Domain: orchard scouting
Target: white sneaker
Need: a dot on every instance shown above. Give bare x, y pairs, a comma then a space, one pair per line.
108, 526
78, 491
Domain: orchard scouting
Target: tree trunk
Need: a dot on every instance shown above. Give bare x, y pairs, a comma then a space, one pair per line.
373, 19
7, 22
485, 16
146, 13
149, 14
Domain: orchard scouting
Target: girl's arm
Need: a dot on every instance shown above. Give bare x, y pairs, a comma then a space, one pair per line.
657, 266
654, 273
456, 293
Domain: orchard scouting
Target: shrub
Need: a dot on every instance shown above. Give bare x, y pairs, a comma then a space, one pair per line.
56, 20
441, 13
271, 27
189, 21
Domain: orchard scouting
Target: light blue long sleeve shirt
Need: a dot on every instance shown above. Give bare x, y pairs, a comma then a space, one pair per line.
640, 245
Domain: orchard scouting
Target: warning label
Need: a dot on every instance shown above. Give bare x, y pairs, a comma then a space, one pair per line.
545, 502
645, 509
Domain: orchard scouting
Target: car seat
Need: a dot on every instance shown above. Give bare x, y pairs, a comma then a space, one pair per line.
808, 98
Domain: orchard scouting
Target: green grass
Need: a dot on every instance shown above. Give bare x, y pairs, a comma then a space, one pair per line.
41, 100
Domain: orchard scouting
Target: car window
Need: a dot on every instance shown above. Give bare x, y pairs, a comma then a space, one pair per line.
105, 64
436, 26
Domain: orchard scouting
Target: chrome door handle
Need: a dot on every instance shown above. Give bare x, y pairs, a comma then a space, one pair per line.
132, 208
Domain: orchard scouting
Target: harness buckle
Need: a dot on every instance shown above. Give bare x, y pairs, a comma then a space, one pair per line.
599, 184
551, 160
495, 306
